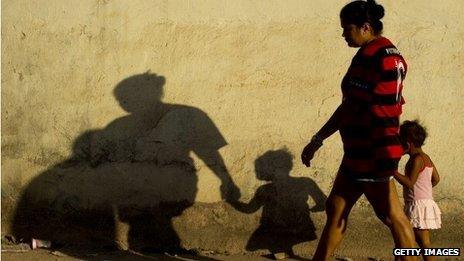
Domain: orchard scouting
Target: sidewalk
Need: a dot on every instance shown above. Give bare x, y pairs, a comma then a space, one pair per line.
44, 254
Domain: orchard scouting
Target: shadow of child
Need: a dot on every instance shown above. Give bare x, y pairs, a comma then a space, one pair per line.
285, 219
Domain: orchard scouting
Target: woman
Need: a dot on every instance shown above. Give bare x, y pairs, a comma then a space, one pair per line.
368, 121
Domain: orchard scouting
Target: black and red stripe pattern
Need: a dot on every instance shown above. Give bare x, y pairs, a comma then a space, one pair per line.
372, 103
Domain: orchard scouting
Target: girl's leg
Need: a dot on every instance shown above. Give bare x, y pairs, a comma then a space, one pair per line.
343, 196
423, 239
384, 199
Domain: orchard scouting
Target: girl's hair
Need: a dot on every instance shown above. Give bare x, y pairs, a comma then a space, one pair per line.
360, 12
413, 131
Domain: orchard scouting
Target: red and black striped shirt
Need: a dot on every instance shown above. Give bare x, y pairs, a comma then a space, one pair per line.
372, 104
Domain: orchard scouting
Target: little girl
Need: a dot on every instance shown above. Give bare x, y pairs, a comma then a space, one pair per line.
421, 176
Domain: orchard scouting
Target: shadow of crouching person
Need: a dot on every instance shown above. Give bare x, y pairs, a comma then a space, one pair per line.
66, 205
125, 183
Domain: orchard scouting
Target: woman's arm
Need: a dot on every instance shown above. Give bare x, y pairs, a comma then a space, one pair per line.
332, 125
213, 159
412, 173
329, 128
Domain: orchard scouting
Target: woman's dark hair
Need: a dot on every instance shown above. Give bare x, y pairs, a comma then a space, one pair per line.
360, 12
413, 131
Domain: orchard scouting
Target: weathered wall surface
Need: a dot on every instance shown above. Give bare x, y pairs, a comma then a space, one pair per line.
87, 129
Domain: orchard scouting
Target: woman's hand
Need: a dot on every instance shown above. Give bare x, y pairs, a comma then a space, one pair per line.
329, 128
308, 152
230, 192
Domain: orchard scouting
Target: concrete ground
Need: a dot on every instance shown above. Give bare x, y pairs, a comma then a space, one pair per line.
365, 239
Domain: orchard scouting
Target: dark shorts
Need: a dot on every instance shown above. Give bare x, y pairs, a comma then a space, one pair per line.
379, 175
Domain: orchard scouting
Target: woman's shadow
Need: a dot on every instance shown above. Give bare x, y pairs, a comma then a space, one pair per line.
285, 219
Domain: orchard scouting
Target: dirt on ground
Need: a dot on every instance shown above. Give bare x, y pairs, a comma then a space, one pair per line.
82, 254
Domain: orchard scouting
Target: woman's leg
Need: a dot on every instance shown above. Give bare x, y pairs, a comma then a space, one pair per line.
423, 239
343, 196
384, 199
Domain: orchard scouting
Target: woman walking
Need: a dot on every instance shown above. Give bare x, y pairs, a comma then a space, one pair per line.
368, 122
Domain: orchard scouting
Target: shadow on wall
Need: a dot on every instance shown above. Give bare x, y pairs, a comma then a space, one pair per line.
285, 219
123, 184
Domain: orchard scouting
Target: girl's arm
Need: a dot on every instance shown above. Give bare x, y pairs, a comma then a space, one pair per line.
255, 203
412, 172
435, 176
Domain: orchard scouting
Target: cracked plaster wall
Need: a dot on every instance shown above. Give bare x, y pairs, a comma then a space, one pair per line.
266, 73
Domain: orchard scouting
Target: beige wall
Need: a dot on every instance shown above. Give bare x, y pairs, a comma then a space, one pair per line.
267, 73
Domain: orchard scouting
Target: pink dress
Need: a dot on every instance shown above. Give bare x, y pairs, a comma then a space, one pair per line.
420, 207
